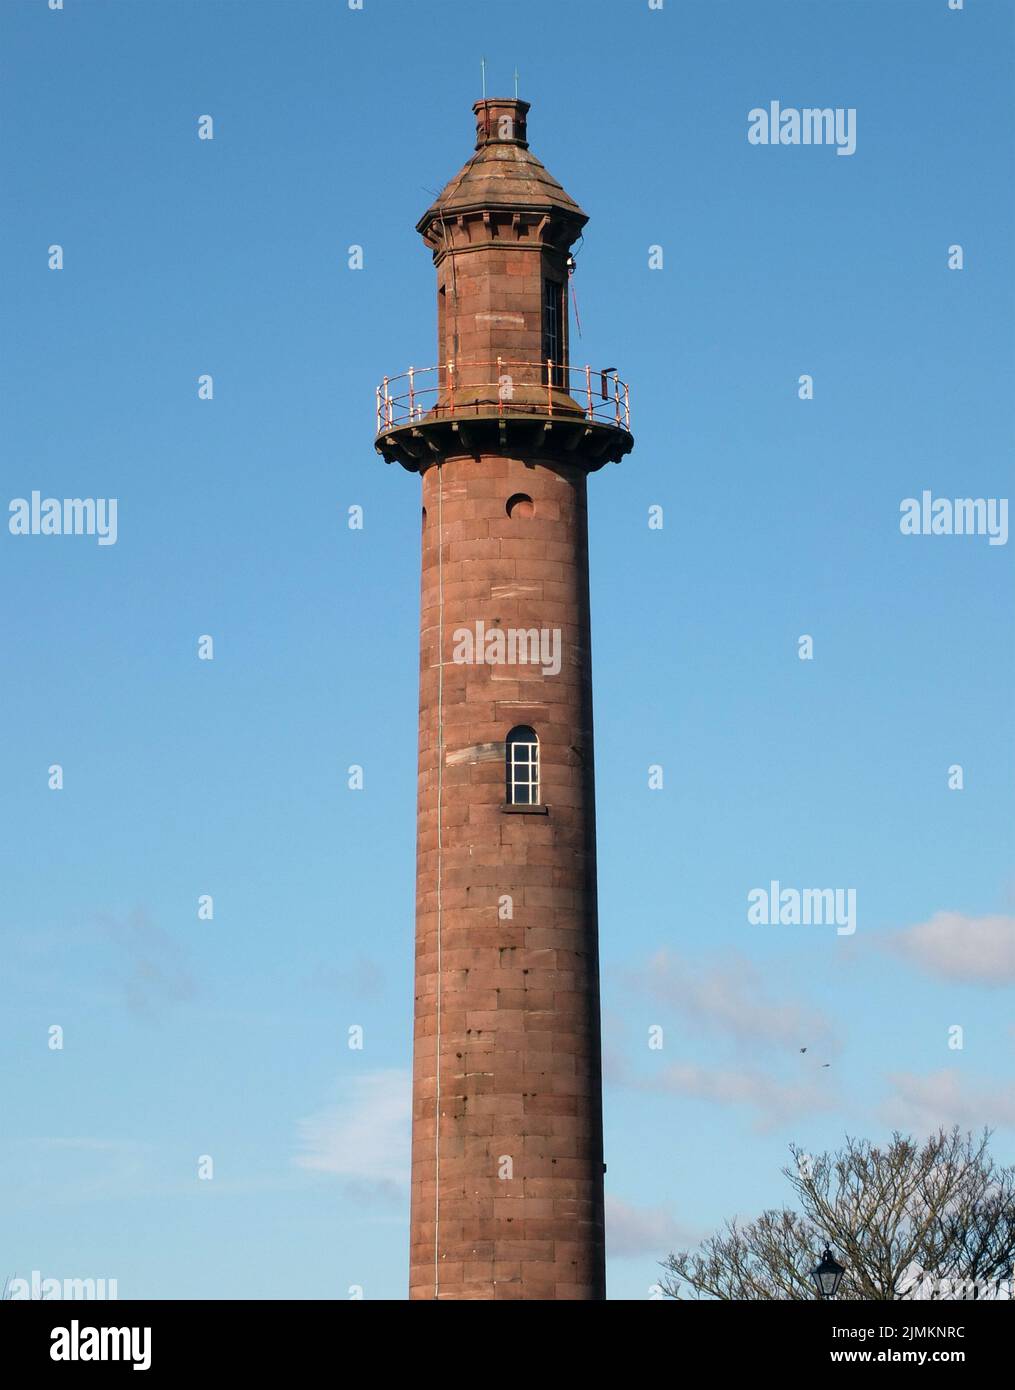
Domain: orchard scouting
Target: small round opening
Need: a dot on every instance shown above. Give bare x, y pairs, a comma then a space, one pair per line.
520, 505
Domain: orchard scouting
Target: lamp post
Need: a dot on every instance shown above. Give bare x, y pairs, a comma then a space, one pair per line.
827, 1275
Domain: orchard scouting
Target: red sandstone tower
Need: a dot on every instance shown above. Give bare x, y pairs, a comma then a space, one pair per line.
507, 1147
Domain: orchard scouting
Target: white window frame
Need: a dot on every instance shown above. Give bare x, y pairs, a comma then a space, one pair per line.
529, 766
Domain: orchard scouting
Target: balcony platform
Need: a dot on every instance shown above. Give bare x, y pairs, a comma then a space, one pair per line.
503, 407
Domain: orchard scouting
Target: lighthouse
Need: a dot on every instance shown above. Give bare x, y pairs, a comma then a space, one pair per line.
507, 1134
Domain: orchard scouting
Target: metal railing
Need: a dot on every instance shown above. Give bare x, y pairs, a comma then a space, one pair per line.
502, 387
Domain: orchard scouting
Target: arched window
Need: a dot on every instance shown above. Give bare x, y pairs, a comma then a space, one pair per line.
522, 759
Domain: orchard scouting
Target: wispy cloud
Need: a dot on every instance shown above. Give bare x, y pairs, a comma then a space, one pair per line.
53, 1169
944, 1098
773, 1101
362, 977
729, 996
726, 997
980, 950
633, 1230
56, 1142
151, 969
363, 1137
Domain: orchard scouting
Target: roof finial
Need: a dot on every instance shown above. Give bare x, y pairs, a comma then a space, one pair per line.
482, 68
516, 84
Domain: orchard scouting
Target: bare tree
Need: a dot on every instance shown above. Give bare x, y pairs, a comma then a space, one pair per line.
924, 1220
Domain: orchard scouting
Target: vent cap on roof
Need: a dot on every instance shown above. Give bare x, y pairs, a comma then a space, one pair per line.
500, 121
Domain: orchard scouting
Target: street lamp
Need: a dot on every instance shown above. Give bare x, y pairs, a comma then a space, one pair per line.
827, 1275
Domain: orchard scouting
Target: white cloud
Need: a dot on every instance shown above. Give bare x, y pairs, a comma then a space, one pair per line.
774, 1101
729, 997
632, 1230
941, 1099
364, 1138
980, 950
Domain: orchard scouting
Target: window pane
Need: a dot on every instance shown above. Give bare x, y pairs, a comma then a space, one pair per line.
552, 306
522, 767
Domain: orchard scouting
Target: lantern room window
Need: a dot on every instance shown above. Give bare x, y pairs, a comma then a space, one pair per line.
553, 331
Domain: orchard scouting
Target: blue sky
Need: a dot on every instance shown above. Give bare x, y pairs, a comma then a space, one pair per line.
183, 777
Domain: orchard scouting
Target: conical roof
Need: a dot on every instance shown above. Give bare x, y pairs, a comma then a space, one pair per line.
503, 173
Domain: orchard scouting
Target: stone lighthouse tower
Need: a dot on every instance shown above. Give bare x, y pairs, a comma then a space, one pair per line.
507, 1147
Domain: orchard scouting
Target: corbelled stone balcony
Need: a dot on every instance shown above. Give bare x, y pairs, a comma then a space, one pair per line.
429, 413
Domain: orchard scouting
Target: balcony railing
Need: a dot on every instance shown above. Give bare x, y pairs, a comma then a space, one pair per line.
502, 387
